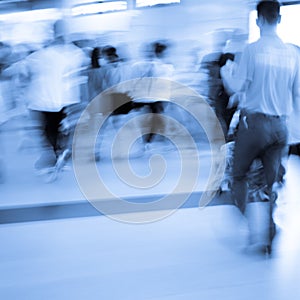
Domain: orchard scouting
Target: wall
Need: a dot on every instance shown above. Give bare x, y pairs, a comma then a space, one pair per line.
189, 24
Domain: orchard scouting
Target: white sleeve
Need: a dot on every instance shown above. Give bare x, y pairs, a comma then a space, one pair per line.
231, 82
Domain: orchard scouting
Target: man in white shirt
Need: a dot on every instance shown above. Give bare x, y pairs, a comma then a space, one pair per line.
268, 75
54, 73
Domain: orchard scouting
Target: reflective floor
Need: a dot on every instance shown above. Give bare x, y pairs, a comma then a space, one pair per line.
23, 186
192, 254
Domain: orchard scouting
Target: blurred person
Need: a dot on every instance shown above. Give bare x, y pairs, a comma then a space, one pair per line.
227, 47
225, 110
94, 74
115, 71
92, 88
268, 74
154, 65
110, 103
210, 63
14, 80
124, 52
112, 66
52, 93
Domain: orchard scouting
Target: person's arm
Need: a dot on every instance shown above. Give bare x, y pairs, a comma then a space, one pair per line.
238, 76
232, 82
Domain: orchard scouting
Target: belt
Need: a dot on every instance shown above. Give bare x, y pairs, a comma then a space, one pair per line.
262, 115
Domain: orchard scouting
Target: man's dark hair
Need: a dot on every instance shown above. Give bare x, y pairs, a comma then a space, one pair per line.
110, 52
159, 49
269, 10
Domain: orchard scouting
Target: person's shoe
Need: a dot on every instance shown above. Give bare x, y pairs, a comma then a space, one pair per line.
45, 161
261, 250
261, 226
62, 159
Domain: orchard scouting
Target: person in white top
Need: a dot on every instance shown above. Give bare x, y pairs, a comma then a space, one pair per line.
154, 67
54, 85
268, 74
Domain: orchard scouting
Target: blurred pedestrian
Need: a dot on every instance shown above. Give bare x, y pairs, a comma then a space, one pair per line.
211, 63
224, 110
94, 84
54, 87
154, 65
115, 71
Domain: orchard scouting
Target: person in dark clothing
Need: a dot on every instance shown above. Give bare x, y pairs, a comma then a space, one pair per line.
223, 112
217, 94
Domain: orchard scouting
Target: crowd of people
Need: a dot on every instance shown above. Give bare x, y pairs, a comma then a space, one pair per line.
259, 83
53, 85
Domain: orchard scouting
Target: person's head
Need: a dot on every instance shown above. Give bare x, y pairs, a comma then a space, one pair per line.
268, 13
109, 53
159, 49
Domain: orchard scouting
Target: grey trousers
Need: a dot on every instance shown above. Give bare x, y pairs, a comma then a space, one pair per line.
258, 136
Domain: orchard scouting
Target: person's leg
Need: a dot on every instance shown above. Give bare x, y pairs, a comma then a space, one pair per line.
158, 122
47, 158
283, 166
272, 161
247, 147
152, 110
52, 123
274, 151
64, 135
221, 115
294, 149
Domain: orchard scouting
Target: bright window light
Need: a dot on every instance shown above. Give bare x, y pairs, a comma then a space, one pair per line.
100, 7
287, 29
32, 15
143, 3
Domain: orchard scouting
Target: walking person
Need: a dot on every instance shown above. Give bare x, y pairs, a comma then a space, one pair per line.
52, 92
154, 65
269, 76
